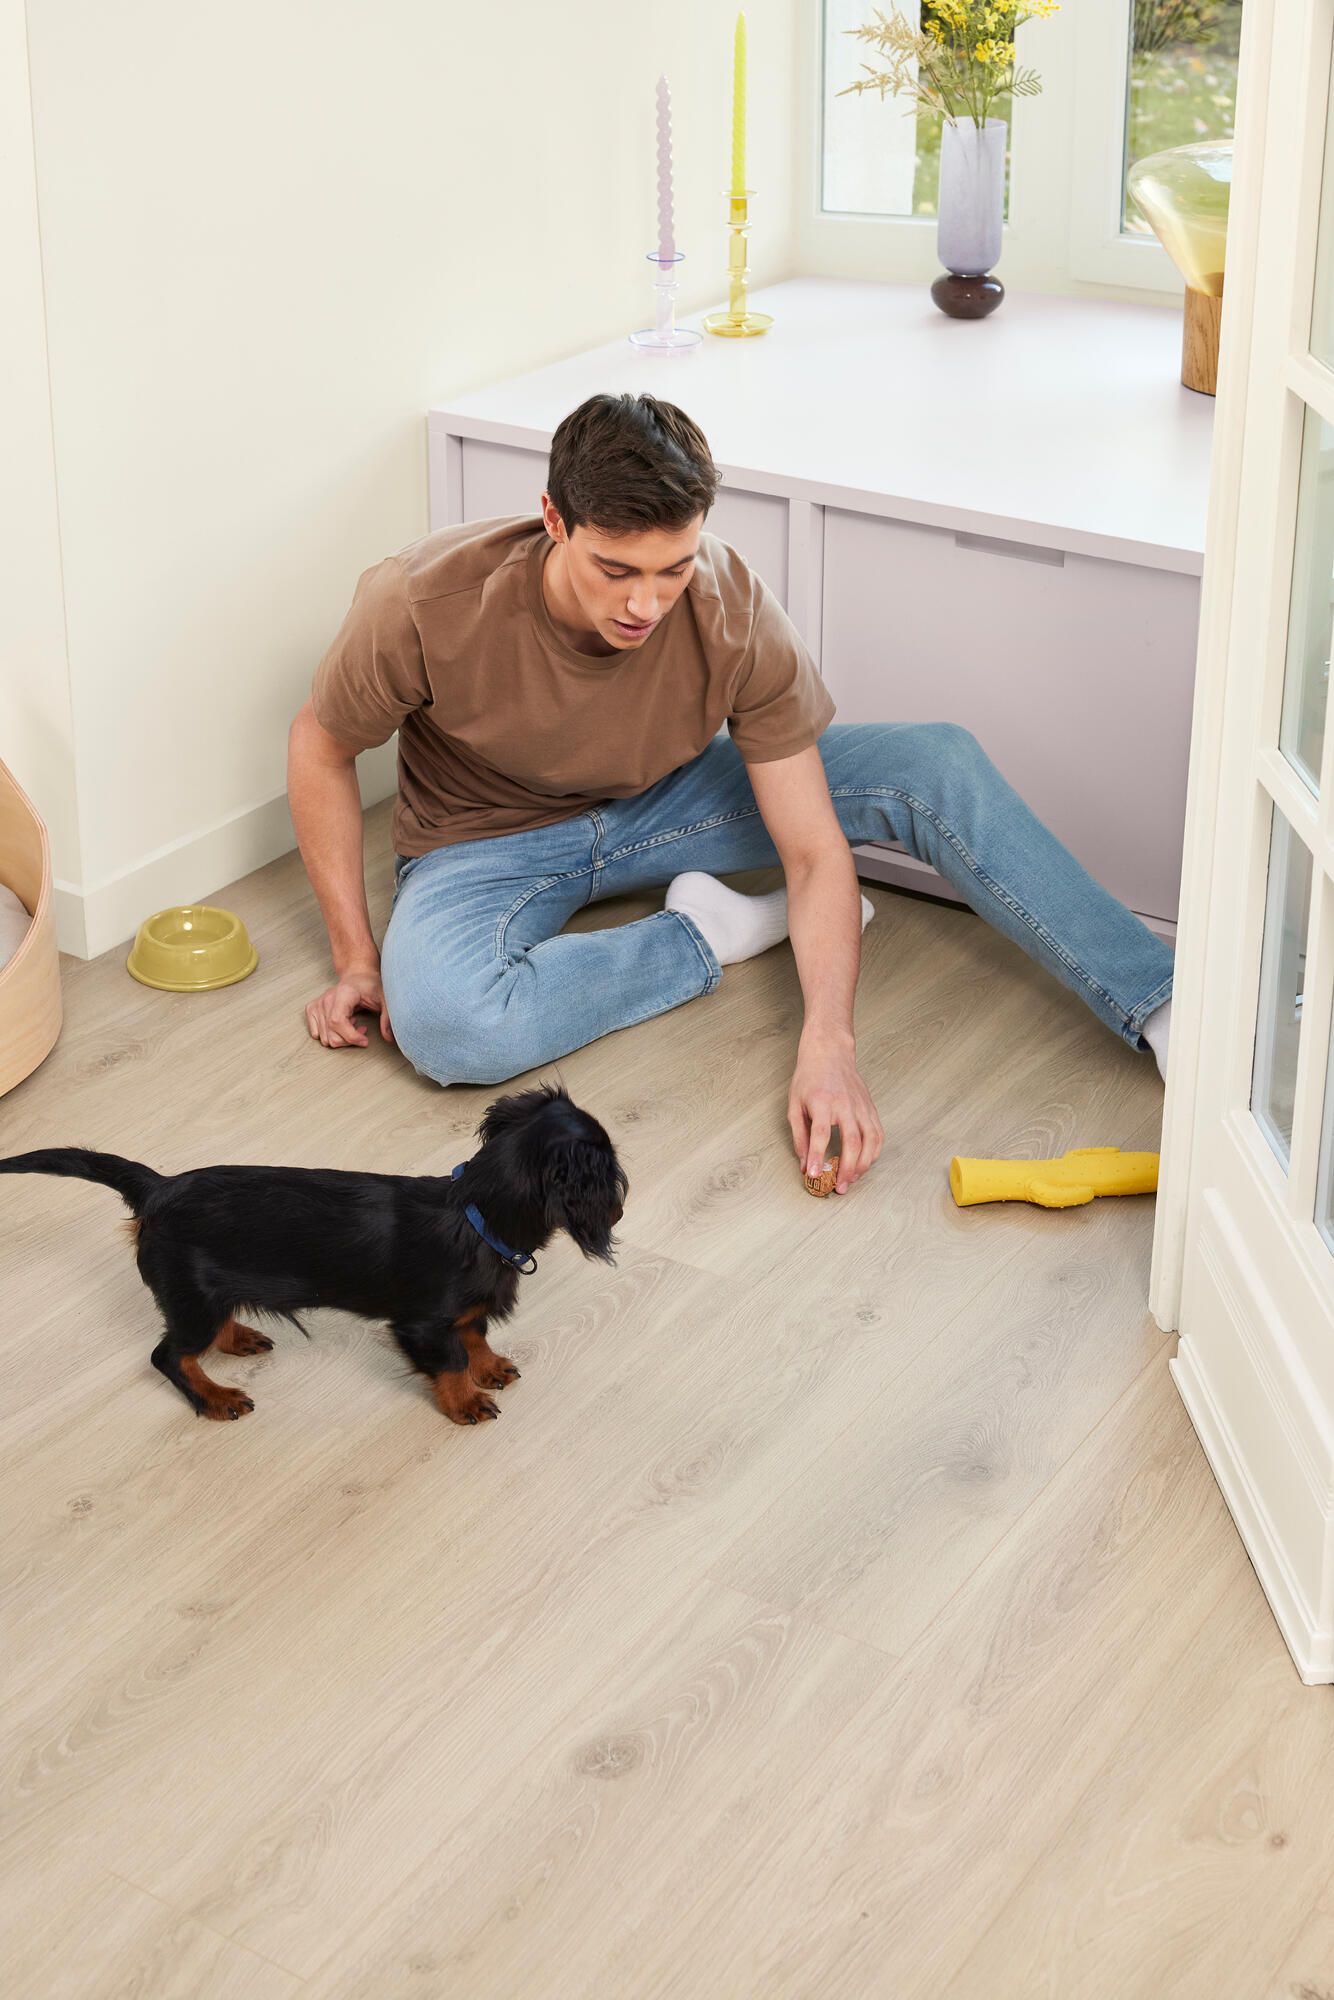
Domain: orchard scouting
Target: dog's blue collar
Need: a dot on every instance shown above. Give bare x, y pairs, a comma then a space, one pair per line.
521, 1260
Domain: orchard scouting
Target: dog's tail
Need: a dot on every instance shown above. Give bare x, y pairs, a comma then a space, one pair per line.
132, 1182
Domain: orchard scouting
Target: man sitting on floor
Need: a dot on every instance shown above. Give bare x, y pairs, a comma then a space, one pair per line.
559, 686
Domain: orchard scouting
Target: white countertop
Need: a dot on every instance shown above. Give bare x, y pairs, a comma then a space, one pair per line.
1057, 421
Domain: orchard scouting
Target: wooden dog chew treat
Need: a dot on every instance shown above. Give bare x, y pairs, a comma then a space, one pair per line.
823, 1183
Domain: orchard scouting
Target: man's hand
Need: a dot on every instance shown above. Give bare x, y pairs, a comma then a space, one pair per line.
330, 1018
827, 1090
823, 909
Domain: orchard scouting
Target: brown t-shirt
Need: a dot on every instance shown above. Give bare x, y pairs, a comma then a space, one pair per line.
503, 726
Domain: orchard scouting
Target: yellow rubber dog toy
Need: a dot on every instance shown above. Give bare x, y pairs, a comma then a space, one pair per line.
1067, 1182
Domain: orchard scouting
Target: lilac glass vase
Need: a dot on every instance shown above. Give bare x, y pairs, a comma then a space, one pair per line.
969, 216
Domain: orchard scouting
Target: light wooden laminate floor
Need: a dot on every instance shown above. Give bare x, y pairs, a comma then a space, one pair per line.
842, 1605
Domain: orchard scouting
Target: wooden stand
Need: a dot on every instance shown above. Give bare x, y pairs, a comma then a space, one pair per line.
1200, 327
30, 982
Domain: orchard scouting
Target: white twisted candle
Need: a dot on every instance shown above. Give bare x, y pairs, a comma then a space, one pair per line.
666, 238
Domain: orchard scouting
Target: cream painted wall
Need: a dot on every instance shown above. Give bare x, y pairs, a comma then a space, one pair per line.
36, 733
271, 236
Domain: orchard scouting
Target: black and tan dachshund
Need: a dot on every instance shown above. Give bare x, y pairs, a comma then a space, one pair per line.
436, 1258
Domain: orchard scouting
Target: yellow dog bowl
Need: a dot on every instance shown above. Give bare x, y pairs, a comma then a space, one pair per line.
192, 949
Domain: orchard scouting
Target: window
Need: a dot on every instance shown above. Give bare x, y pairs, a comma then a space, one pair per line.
1183, 80
869, 164
878, 157
1121, 79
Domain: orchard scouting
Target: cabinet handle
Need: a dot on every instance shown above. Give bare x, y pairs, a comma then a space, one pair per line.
993, 545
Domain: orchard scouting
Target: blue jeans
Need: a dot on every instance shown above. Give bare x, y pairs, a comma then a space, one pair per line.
481, 985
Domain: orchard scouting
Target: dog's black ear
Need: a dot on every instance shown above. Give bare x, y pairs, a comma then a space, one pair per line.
508, 1113
585, 1194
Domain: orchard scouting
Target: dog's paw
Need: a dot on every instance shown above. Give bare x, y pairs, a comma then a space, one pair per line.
458, 1399
224, 1406
474, 1409
496, 1372
238, 1339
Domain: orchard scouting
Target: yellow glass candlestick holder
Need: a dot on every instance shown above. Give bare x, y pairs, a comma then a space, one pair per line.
738, 322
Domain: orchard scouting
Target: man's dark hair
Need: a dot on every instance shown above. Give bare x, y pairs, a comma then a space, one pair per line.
625, 463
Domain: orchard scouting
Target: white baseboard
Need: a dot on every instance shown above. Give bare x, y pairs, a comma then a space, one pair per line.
93, 919
1312, 1649
71, 931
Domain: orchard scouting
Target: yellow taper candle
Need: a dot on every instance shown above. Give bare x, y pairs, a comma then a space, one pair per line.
739, 108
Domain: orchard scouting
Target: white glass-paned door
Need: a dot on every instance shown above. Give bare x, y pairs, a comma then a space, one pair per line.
1282, 976
1255, 1204
1311, 607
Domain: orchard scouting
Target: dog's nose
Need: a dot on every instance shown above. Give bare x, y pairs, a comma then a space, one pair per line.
617, 1216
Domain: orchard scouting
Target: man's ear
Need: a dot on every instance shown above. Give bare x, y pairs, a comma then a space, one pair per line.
552, 521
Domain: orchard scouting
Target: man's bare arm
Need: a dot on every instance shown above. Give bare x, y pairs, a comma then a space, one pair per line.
824, 920
326, 812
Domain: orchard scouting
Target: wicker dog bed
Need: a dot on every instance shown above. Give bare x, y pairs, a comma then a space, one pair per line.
30, 981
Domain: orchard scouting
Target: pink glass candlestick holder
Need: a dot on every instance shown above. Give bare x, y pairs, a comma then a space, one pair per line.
665, 336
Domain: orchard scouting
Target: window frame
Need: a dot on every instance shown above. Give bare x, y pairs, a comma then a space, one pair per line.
1100, 251
1062, 233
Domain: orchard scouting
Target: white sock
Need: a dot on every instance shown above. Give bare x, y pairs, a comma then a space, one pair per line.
1156, 1031
732, 925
